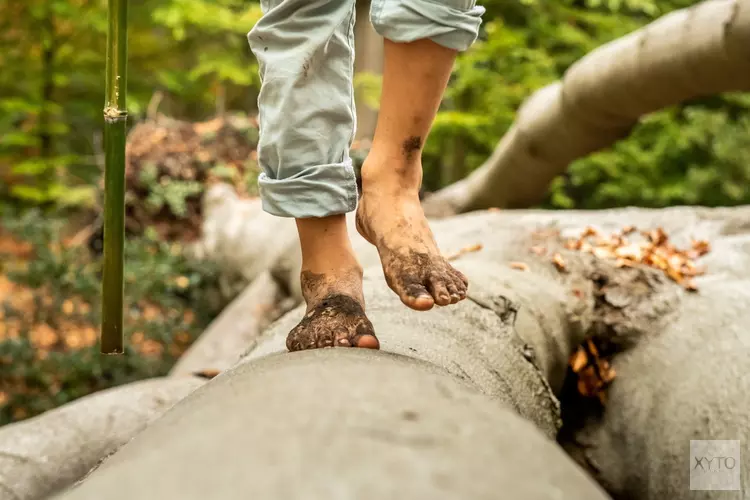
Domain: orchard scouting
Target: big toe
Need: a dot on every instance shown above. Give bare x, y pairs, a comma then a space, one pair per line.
362, 336
367, 342
416, 296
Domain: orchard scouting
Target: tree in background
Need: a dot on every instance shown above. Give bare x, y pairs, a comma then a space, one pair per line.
194, 53
695, 153
51, 90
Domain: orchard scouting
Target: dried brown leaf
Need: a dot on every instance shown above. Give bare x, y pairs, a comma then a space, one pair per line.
208, 373
519, 266
538, 250
578, 360
559, 263
468, 249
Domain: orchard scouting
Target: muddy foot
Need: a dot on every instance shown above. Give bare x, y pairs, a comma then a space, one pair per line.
335, 317
413, 266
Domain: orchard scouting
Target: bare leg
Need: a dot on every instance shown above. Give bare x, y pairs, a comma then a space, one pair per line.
389, 215
332, 286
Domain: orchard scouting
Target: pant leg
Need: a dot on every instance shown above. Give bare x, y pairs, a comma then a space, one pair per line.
450, 23
305, 50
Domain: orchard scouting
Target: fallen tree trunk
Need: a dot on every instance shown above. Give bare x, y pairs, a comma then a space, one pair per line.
503, 352
699, 51
338, 424
47, 453
634, 309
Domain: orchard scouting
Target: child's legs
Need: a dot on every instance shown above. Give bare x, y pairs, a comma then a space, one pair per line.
305, 49
422, 40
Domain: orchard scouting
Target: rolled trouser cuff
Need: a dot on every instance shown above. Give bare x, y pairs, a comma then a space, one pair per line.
451, 23
318, 191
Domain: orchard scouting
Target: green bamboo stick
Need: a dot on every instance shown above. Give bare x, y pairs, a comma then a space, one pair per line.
115, 120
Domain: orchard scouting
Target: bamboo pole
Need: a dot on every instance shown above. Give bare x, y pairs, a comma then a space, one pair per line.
115, 121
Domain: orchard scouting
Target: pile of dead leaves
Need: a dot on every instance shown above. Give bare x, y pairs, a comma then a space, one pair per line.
627, 248
594, 372
170, 163
654, 250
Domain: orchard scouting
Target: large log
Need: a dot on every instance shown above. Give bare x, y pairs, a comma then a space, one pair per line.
503, 367
689, 53
639, 448
338, 424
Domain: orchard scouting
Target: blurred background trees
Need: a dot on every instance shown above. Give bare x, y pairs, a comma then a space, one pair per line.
189, 60
193, 55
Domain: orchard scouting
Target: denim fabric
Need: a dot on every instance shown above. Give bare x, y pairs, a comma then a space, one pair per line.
305, 51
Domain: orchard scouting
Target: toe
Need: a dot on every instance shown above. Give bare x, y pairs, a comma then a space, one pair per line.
325, 342
297, 341
439, 290
417, 297
364, 336
367, 342
453, 291
461, 288
461, 277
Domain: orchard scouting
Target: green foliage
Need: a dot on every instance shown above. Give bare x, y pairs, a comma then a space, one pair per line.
169, 192
691, 154
47, 352
52, 84
367, 88
195, 53
685, 156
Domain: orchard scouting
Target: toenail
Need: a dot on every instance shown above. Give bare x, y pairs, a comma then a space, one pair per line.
344, 342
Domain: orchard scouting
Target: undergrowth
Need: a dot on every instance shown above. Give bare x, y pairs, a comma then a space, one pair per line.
50, 313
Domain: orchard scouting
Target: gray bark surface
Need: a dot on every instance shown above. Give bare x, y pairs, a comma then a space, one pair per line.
351, 423
339, 424
658, 326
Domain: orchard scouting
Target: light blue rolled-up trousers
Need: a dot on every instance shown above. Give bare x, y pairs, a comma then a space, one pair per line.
305, 51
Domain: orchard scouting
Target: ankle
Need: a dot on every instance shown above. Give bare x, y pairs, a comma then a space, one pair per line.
316, 286
391, 174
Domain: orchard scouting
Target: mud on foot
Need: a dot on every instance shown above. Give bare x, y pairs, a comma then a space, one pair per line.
413, 266
337, 321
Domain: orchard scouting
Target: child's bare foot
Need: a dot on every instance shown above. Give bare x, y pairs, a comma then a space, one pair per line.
331, 282
390, 217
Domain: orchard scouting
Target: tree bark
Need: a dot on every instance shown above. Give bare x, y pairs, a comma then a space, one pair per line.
699, 51
495, 360
658, 328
